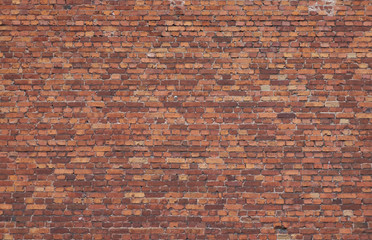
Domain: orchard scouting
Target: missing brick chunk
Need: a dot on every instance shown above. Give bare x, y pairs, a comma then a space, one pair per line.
282, 233
281, 230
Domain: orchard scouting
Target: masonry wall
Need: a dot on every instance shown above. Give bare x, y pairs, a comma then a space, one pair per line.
170, 119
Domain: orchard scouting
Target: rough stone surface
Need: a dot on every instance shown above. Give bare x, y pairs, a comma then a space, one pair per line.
185, 119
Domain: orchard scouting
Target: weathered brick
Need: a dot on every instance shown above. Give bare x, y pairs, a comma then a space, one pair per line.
138, 160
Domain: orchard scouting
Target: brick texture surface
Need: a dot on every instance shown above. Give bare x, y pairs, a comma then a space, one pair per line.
185, 119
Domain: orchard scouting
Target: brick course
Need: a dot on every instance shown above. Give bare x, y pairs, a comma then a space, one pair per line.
185, 119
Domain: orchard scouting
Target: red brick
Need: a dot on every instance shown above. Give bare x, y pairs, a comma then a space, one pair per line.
185, 119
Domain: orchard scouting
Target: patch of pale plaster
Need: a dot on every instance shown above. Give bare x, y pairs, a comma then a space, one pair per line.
177, 2
324, 7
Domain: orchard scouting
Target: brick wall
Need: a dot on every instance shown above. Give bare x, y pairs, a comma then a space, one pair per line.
185, 119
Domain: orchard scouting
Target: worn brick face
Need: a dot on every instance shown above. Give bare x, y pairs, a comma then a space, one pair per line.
185, 119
